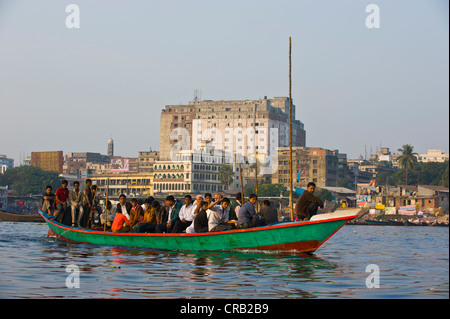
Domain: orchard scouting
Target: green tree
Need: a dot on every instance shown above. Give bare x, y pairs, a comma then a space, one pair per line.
444, 180
25, 180
226, 175
344, 183
267, 190
407, 159
432, 173
385, 178
324, 194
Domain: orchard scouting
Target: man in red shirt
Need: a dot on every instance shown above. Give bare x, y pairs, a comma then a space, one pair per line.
118, 223
61, 194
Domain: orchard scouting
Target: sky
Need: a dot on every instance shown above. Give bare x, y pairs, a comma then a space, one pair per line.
355, 88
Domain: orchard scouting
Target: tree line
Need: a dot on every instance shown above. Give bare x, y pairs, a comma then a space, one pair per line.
25, 180
413, 172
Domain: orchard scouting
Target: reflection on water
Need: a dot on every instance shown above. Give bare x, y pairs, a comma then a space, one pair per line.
413, 263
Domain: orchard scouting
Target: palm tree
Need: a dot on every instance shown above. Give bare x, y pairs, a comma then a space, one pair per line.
407, 159
226, 175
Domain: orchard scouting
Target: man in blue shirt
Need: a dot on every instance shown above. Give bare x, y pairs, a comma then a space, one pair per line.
247, 214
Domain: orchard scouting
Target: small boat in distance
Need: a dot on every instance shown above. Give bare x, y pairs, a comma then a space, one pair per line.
300, 236
376, 222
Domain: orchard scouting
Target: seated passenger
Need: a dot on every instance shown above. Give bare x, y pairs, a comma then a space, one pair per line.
308, 204
219, 216
198, 200
160, 212
201, 219
121, 224
48, 201
269, 214
136, 214
208, 198
148, 225
96, 209
171, 216
124, 206
186, 215
62, 205
234, 210
247, 214
109, 213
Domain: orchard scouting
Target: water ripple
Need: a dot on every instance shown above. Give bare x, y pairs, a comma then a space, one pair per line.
413, 263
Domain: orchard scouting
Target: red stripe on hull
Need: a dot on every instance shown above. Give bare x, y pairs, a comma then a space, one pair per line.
301, 246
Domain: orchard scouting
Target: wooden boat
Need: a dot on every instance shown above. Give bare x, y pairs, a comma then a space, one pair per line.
301, 236
410, 223
13, 217
396, 223
376, 222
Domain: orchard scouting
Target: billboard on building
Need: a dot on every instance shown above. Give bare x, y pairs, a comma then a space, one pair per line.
120, 165
407, 210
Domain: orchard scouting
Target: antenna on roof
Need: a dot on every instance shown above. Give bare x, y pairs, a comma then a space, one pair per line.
197, 95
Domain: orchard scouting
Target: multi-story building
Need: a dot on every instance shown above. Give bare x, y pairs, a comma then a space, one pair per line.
433, 156
244, 127
317, 165
134, 184
48, 161
356, 175
5, 163
76, 162
146, 160
191, 172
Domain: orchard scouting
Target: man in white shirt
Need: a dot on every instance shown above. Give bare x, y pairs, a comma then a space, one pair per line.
124, 206
198, 200
218, 219
186, 215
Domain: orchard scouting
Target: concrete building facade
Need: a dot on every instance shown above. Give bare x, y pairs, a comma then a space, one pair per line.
433, 156
48, 161
191, 172
317, 165
5, 163
244, 127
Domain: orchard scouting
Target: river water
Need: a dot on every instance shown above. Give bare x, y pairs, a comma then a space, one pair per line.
357, 262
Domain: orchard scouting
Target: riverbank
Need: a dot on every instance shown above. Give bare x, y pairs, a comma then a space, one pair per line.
365, 217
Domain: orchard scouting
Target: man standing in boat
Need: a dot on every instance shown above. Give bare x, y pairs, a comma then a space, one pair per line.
308, 204
87, 203
76, 204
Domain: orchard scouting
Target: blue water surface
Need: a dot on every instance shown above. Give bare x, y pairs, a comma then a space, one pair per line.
357, 262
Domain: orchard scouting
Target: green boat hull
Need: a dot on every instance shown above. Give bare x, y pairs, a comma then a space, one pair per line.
304, 236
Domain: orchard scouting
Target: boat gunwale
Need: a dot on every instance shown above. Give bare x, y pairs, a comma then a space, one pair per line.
232, 231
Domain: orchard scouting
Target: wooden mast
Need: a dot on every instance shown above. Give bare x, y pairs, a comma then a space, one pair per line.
256, 177
106, 204
291, 201
242, 186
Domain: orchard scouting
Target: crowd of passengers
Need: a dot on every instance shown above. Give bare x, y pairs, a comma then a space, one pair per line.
203, 214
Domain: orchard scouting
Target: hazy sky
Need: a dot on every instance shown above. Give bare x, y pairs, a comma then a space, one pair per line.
71, 89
